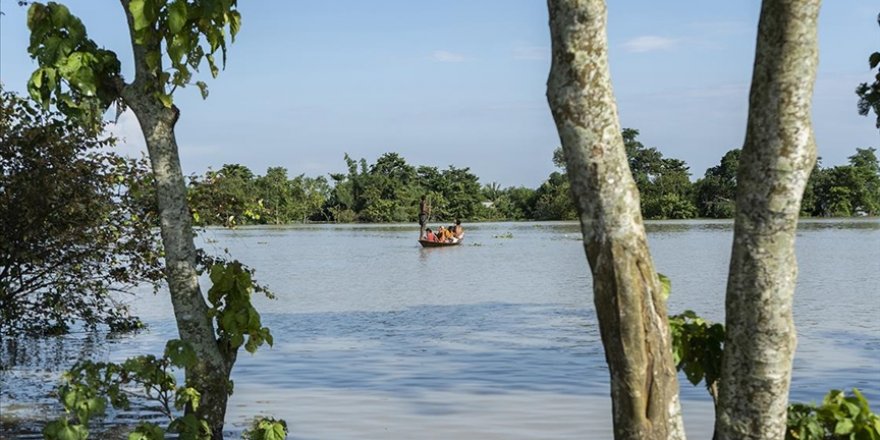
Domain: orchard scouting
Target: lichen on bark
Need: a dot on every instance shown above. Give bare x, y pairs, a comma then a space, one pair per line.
627, 292
778, 155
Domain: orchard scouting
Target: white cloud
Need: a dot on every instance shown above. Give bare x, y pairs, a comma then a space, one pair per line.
649, 43
531, 53
444, 56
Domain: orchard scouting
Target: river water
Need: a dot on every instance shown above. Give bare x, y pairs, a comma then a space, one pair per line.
377, 338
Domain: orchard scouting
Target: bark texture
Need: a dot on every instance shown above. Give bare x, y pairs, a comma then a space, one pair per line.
776, 161
627, 293
210, 376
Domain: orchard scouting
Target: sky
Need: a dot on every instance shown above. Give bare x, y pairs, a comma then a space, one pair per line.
462, 82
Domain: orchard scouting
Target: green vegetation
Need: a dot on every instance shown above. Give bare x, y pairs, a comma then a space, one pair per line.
75, 227
389, 189
698, 348
89, 387
840, 417
845, 190
869, 94
170, 40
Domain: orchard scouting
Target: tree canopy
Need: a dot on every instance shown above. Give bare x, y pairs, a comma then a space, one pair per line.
76, 223
869, 94
389, 190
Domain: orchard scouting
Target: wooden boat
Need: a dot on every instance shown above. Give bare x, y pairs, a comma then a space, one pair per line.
429, 243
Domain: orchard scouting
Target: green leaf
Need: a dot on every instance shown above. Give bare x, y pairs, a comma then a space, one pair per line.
62, 430
278, 432
214, 70
188, 395
153, 58
176, 16
165, 98
851, 407
268, 336
138, 13
69, 396
180, 353
35, 88
874, 59
843, 427
60, 14
147, 431
90, 407
36, 78
833, 398
35, 14
235, 24
237, 340
203, 88
176, 50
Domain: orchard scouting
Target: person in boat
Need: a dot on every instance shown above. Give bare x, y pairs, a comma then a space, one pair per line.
430, 236
445, 235
458, 230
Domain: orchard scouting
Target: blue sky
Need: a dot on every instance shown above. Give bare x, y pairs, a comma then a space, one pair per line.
462, 82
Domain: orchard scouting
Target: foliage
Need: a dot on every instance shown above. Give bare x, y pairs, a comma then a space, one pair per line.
171, 39
517, 203
716, 191
664, 183
839, 417
235, 196
76, 224
697, 347
389, 190
553, 199
238, 322
186, 32
869, 94
846, 190
290, 200
67, 56
225, 197
89, 387
266, 429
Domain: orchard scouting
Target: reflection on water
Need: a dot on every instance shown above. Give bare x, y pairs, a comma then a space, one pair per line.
377, 337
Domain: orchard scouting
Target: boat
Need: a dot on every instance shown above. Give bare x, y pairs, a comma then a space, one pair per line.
429, 243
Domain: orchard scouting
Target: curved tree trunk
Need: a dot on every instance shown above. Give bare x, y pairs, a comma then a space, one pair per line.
627, 292
210, 375
777, 158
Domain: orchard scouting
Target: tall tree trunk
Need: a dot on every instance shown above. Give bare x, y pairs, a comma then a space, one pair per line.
777, 158
627, 292
210, 375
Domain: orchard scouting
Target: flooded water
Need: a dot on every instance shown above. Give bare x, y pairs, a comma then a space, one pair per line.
377, 338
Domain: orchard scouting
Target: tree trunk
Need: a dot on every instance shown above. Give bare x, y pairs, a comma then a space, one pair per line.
210, 375
627, 293
777, 158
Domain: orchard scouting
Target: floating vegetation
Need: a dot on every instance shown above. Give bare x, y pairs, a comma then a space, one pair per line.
476, 244
504, 235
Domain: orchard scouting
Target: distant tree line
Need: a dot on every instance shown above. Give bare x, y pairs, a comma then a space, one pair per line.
389, 190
